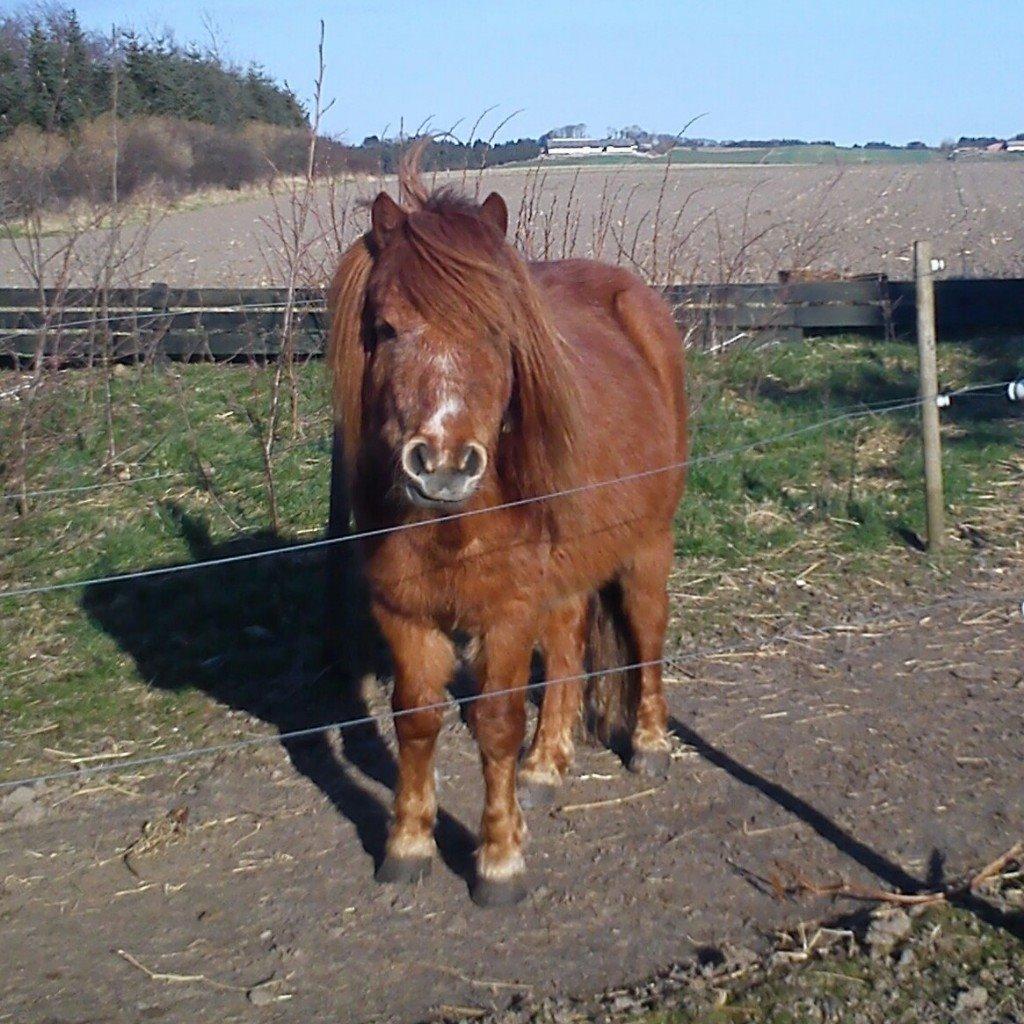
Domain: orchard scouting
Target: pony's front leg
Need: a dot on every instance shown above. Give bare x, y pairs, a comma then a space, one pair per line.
424, 661
563, 637
499, 723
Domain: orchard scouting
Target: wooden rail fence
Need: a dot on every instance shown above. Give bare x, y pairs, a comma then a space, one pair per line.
80, 325
178, 323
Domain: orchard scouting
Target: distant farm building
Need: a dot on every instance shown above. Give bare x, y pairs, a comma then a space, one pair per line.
986, 147
589, 147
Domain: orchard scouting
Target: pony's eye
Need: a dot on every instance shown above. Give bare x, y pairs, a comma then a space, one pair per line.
385, 332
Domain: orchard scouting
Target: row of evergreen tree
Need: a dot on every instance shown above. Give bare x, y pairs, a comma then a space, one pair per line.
54, 75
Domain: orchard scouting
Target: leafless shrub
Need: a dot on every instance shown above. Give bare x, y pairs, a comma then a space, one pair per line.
152, 155
30, 164
225, 159
293, 228
283, 150
161, 155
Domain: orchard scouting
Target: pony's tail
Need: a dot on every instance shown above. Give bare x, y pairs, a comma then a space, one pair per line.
611, 698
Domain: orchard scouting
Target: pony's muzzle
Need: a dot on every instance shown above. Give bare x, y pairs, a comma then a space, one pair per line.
436, 478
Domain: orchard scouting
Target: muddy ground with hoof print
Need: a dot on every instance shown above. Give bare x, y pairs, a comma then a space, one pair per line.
241, 887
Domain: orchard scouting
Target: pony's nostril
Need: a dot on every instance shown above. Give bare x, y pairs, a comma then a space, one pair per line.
419, 458
472, 463
424, 457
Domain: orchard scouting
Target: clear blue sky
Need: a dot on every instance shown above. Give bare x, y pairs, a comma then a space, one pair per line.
853, 71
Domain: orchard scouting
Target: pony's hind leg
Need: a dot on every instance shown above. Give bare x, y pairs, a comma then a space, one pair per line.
424, 661
645, 605
499, 723
563, 637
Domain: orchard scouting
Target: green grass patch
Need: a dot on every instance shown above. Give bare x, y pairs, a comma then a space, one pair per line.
857, 481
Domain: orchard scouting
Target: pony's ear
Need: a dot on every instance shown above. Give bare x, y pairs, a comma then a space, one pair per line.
493, 211
385, 217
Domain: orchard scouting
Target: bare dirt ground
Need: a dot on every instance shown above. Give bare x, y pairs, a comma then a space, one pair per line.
714, 223
887, 755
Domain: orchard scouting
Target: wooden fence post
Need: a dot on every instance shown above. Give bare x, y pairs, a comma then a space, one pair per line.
928, 392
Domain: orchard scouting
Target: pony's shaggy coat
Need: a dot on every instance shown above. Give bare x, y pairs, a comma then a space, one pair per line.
567, 374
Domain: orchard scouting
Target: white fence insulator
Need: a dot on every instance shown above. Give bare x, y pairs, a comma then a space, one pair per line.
1015, 390
942, 401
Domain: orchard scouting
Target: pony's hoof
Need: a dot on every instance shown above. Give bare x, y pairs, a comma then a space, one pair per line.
403, 869
499, 892
655, 764
534, 794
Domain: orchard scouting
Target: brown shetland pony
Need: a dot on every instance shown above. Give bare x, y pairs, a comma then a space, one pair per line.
465, 378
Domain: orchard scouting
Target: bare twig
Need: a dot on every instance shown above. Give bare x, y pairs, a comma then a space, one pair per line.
800, 885
595, 804
159, 975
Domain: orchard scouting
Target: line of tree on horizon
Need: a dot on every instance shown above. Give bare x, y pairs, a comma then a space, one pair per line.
54, 75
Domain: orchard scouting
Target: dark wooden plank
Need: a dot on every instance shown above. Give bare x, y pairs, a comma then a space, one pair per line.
904, 310
964, 305
148, 320
724, 294
233, 346
259, 323
843, 293
799, 291
838, 316
28, 298
231, 297
69, 347
755, 317
23, 345
984, 304
175, 345
75, 319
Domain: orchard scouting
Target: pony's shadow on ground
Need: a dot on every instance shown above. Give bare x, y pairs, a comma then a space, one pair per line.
886, 870
253, 635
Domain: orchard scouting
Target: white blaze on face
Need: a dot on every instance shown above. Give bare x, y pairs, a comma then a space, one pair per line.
449, 403
448, 408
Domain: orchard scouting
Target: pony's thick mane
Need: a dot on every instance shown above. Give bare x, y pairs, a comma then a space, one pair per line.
346, 349
457, 271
